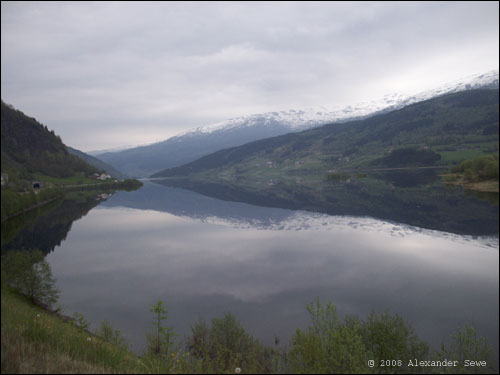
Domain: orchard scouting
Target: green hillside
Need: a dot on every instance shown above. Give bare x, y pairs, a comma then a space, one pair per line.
29, 148
31, 153
442, 131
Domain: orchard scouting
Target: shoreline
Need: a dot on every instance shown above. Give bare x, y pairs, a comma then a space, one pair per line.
486, 186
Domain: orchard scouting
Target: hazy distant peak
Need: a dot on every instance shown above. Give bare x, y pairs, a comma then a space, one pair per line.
114, 149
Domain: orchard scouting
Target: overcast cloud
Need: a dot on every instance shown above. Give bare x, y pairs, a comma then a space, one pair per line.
104, 75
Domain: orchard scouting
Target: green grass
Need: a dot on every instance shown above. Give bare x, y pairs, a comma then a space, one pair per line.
35, 341
73, 180
455, 157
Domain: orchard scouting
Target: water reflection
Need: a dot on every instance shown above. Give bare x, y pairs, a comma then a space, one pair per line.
47, 227
118, 260
484, 195
409, 178
417, 198
204, 257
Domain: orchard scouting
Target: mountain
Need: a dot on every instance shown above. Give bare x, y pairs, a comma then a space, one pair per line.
145, 160
386, 166
29, 147
183, 148
98, 164
437, 131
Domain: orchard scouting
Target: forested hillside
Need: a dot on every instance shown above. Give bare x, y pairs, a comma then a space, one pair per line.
30, 147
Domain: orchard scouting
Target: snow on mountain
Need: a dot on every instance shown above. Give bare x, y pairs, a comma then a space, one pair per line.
298, 120
146, 160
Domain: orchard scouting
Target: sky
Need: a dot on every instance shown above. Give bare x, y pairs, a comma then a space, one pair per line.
110, 74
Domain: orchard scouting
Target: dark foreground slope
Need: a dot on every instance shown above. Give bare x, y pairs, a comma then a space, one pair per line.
29, 147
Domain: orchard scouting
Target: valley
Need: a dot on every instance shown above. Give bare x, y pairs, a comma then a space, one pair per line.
356, 213
250, 187
432, 134
186, 147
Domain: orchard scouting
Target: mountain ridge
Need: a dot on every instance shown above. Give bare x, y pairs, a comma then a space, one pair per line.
188, 146
441, 125
313, 116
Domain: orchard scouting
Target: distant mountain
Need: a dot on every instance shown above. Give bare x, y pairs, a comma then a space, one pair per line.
29, 147
114, 149
436, 131
98, 164
183, 148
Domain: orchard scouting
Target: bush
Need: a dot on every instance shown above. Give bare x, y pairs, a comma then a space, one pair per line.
226, 345
390, 337
29, 273
328, 346
108, 333
465, 345
479, 169
334, 346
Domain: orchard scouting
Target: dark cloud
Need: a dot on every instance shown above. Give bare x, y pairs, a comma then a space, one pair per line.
89, 70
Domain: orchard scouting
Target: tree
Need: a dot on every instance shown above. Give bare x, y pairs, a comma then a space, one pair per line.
466, 345
334, 346
329, 345
390, 337
29, 273
225, 345
162, 340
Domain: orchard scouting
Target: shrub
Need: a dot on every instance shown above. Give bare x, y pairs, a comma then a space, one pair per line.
482, 168
465, 345
108, 333
225, 345
29, 273
390, 337
328, 346
334, 346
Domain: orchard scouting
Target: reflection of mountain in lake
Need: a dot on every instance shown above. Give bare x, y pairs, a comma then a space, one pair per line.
48, 228
186, 203
408, 178
415, 198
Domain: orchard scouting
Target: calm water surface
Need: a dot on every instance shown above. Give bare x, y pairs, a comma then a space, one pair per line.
204, 257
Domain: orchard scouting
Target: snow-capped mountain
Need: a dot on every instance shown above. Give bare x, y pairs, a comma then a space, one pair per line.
298, 120
183, 148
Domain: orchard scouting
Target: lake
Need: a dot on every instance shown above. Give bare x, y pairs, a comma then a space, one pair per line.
204, 256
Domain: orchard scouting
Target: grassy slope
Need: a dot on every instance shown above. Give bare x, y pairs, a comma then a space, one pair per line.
35, 341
